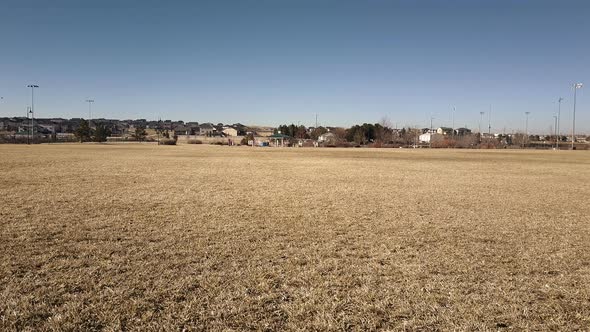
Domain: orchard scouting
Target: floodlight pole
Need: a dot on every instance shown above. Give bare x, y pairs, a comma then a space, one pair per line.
159, 127
29, 116
490, 121
557, 133
576, 87
90, 101
480, 121
453, 135
430, 137
555, 128
32, 111
526, 130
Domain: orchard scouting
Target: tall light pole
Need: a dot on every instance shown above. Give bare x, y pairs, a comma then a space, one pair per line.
90, 101
526, 128
453, 135
490, 121
557, 133
159, 128
430, 137
576, 87
431, 118
29, 114
480, 121
32, 111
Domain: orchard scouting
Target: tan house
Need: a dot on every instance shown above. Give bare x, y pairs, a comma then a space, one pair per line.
230, 131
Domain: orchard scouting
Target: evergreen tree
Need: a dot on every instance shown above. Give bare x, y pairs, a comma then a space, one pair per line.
101, 133
140, 133
83, 133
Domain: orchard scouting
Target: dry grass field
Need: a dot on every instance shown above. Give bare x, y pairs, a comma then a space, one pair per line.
193, 237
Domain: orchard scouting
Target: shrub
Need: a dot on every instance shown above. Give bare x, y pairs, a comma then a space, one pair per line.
194, 141
167, 141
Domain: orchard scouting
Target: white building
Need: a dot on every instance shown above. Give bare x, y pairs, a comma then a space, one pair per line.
430, 138
327, 137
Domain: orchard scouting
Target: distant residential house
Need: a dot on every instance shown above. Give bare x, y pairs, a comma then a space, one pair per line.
462, 131
65, 136
229, 131
264, 132
47, 128
430, 137
183, 130
328, 137
487, 135
207, 129
444, 131
192, 125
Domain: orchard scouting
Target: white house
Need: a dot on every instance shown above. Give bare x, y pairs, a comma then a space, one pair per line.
327, 137
430, 138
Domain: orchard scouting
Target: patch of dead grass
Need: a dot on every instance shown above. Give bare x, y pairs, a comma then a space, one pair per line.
137, 237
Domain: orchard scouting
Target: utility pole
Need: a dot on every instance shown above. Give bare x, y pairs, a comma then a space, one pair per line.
316, 121
576, 87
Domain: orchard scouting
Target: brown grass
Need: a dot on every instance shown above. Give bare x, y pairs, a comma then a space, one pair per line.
199, 237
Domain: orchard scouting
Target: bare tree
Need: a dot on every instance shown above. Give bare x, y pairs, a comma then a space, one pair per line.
340, 134
385, 133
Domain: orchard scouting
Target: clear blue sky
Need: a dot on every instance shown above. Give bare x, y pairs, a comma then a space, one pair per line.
279, 61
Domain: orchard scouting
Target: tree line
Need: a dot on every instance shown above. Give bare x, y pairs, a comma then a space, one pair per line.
359, 134
84, 133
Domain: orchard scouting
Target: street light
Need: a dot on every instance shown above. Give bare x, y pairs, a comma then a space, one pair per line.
90, 101
32, 110
576, 87
526, 130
